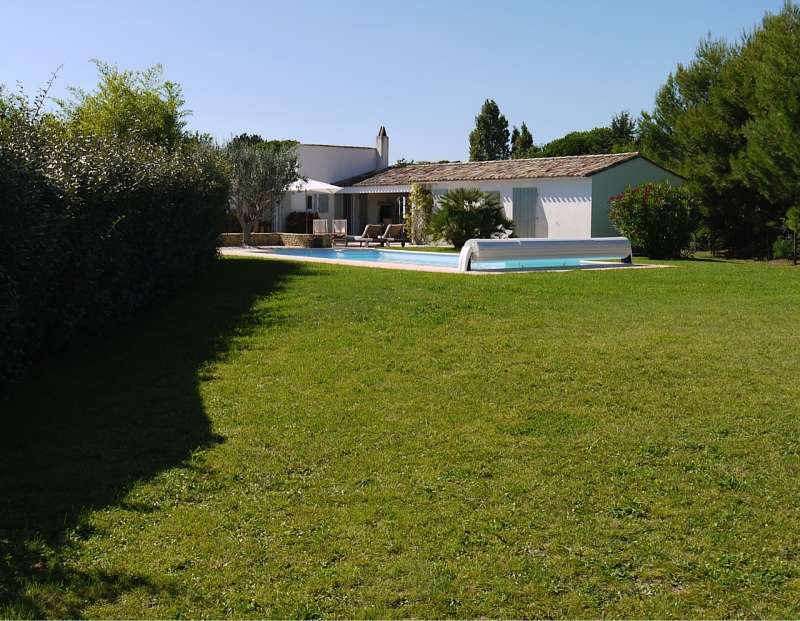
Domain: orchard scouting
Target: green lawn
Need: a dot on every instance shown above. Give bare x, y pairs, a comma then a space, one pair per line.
297, 440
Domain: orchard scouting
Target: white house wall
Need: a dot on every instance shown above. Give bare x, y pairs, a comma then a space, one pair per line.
331, 163
563, 205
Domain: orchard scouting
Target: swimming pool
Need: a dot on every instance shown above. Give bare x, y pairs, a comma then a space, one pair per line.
430, 260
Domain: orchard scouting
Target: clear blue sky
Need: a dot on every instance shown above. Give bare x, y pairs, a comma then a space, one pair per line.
333, 72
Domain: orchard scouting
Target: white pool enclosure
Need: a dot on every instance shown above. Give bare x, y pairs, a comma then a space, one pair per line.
483, 254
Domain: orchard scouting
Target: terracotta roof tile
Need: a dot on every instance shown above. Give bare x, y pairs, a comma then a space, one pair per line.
534, 168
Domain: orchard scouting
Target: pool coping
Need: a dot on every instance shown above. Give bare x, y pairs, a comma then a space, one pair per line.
257, 252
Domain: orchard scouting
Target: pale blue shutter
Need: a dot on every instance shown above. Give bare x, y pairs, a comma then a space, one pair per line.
523, 211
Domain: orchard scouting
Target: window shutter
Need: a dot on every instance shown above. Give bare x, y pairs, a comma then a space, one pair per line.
523, 211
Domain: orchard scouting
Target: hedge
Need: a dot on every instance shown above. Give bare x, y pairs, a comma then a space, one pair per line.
93, 231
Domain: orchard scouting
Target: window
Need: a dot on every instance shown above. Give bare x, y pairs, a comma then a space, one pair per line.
309, 203
387, 213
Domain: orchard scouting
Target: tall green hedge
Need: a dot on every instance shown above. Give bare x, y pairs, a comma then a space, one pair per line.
93, 230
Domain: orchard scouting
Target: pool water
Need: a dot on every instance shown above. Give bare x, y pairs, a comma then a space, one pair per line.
445, 260
370, 255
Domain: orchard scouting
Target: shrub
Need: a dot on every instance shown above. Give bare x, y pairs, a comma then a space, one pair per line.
658, 218
468, 214
782, 248
93, 229
792, 223
300, 221
419, 214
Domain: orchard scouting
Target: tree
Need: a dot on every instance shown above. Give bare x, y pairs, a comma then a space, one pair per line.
418, 218
522, 143
489, 139
770, 75
255, 139
623, 131
697, 129
260, 174
128, 105
597, 140
620, 136
467, 214
729, 122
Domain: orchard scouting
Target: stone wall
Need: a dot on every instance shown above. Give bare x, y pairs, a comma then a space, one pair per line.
296, 240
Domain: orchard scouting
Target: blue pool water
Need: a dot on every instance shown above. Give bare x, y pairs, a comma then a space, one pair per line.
427, 259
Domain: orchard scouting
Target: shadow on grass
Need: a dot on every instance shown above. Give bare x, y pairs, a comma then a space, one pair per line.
77, 436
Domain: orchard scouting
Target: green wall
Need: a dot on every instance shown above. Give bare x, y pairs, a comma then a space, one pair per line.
613, 181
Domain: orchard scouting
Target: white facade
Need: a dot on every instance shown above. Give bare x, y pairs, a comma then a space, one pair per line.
330, 163
564, 207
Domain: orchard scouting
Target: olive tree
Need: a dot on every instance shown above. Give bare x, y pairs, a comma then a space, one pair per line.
260, 174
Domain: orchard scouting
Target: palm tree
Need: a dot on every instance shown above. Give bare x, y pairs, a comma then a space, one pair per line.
468, 213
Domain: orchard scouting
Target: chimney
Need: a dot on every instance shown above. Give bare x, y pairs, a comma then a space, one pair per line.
382, 146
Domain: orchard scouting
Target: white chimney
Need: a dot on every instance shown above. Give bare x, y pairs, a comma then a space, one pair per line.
382, 146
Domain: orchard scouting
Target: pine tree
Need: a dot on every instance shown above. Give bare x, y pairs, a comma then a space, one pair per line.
489, 139
521, 143
696, 129
623, 129
771, 73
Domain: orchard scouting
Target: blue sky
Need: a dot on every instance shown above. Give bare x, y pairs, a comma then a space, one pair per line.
333, 72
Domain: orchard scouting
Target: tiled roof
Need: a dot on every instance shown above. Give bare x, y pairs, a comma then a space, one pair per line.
534, 168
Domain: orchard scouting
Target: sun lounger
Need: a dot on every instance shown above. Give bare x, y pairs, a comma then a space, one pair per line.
395, 233
339, 231
320, 226
371, 234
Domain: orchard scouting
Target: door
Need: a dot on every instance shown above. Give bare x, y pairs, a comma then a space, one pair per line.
347, 212
524, 211
363, 213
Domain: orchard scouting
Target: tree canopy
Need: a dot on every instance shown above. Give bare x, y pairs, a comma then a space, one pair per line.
256, 140
522, 143
597, 140
489, 139
729, 121
624, 132
260, 174
126, 104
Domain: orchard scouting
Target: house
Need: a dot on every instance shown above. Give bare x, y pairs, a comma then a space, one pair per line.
546, 197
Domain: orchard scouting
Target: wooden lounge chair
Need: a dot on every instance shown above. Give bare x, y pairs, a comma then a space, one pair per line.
371, 234
320, 226
395, 233
339, 231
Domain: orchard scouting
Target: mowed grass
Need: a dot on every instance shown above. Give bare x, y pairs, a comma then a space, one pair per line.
296, 440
